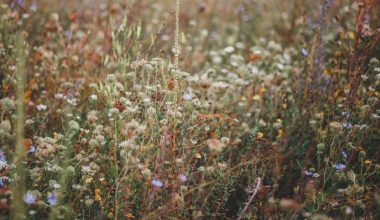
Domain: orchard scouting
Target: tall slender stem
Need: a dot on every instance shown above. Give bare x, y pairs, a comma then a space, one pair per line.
176, 43
18, 208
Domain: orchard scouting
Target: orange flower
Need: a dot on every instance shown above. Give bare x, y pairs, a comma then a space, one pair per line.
97, 195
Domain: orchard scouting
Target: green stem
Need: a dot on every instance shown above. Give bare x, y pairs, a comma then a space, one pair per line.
18, 208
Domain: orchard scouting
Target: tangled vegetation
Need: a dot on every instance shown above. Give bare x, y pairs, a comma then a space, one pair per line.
207, 109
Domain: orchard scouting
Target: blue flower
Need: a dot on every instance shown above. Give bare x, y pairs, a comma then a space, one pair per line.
32, 149
52, 198
308, 173
340, 166
29, 198
157, 183
2, 184
182, 178
2, 156
346, 125
304, 52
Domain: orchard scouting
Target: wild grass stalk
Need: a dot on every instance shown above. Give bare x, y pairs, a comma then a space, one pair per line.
19, 177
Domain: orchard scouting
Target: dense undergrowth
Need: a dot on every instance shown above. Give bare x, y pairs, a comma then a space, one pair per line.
272, 112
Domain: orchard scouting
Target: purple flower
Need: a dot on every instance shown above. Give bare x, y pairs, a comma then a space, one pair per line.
308, 173
68, 34
345, 114
18, 2
304, 52
340, 166
157, 183
182, 178
238, 10
29, 198
52, 199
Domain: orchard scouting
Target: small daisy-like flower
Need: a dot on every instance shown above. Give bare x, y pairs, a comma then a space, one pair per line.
157, 183
93, 97
41, 107
29, 198
182, 178
52, 199
340, 166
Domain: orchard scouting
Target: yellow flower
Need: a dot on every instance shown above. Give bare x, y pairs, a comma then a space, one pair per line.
259, 135
262, 90
351, 35
110, 215
256, 98
130, 215
367, 162
280, 133
88, 180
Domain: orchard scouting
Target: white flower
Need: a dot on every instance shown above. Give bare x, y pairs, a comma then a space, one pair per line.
215, 145
74, 125
41, 107
187, 96
146, 172
225, 140
6, 126
229, 49
56, 186
111, 78
59, 96
86, 169
93, 97
3, 164
220, 85
29, 121
124, 144
151, 111
113, 112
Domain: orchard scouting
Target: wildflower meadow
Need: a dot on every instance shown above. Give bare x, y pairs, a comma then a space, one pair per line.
189, 109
